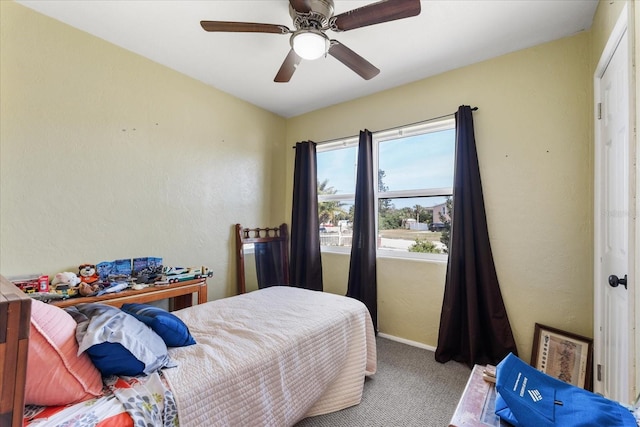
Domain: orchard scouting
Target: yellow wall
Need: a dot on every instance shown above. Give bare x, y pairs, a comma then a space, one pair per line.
535, 147
534, 138
105, 155
603, 22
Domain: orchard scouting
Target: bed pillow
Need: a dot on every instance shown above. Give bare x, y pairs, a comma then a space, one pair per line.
56, 374
118, 343
170, 328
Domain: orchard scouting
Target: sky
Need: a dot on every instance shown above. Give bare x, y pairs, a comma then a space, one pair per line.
421, 161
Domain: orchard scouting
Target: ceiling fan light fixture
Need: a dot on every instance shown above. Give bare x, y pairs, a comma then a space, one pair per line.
310, 44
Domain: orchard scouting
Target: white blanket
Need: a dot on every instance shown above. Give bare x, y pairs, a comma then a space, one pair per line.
272, 357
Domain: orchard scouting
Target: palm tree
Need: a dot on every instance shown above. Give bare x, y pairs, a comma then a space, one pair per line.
327, 210
445, 237
418, 210
323, 188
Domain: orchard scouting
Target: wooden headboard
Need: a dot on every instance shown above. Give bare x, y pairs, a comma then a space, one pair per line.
15, 321
277, 235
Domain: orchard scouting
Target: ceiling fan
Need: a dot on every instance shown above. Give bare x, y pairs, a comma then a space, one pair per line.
311, 19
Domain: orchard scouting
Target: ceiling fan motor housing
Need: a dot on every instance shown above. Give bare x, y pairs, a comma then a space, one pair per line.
318, 16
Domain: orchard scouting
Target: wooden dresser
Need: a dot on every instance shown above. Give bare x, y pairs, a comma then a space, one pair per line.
180, 295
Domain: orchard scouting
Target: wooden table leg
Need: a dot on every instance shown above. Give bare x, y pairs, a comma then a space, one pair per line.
202, 293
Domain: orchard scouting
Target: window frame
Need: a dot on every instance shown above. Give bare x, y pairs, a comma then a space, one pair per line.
438, 125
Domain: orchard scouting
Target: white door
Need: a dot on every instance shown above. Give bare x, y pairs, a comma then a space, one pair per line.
612, 318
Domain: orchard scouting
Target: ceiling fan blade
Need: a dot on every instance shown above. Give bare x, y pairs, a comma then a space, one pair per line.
288, 67
301, 6
243, 27
376, 13
357, 63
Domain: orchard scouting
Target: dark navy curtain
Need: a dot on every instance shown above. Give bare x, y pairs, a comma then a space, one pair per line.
268, 264
305, 265
362, 268
474, 328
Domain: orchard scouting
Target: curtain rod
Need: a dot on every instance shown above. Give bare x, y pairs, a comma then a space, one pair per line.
391, 128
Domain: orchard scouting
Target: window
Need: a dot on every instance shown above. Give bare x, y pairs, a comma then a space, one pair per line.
337, 164
414, 184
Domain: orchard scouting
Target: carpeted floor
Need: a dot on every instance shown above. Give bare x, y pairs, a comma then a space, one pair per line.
409, 389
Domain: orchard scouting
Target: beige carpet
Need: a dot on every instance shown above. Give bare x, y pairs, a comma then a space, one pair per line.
409, 389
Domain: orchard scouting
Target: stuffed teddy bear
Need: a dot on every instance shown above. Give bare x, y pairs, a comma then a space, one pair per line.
88, 289
65, 284
88, 280
88, 273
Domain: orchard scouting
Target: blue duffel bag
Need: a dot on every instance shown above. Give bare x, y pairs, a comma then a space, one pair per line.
530, 398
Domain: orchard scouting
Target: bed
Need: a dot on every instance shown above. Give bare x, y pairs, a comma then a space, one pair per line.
270, 357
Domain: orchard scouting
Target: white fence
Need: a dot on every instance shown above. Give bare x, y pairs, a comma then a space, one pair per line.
335, 239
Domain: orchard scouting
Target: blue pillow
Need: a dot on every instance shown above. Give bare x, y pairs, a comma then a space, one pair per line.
113, 359
119, 344
170, 328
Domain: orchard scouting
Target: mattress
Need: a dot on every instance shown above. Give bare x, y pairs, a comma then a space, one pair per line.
272, 357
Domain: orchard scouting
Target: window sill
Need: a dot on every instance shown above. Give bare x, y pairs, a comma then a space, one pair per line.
345, 250
414, 256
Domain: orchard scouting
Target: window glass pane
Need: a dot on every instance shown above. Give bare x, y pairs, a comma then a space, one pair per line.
414, 168
419, 224
421, 161
337, 171
336, 223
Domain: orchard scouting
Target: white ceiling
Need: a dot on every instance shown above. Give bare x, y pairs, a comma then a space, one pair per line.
447, 34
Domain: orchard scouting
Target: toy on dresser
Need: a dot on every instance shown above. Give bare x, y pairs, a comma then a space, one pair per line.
89, 280
181, 274
65, 284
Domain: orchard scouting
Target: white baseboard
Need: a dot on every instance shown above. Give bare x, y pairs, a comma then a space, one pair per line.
406, 341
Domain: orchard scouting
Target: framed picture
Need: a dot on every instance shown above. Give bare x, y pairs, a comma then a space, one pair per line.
563, 355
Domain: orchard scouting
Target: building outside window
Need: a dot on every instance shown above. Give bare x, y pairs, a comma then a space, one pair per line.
414, 183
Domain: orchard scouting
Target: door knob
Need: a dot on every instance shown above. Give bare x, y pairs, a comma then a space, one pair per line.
614, 281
